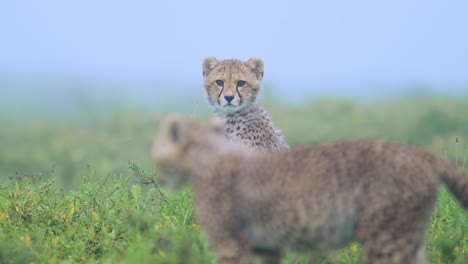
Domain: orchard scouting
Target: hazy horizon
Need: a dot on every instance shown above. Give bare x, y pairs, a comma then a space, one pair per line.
359, 49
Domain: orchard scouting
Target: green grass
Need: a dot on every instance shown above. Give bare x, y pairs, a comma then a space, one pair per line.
448, 234
68, 193
106, 220
112, 220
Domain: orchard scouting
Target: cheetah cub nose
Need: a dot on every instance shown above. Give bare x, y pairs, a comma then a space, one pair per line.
229, 98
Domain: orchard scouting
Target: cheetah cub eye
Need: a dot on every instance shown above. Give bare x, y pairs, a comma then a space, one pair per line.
240, 83
220, 83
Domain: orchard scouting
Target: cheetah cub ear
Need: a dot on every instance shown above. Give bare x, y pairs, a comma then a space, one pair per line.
173, 126
256, 64
217, 123
208, 64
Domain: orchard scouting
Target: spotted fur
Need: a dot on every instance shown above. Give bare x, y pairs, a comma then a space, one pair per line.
232, 87
310, 199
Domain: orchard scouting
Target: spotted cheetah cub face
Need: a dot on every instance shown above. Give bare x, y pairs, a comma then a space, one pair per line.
232, 85
173, 151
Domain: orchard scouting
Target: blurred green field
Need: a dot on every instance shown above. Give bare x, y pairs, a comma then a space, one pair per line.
82, 190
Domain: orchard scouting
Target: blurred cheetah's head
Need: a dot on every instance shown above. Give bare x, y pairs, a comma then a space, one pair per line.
182, 145
232, 85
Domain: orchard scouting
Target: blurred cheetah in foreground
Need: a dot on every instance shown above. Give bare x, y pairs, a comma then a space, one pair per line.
232, 87
311, 198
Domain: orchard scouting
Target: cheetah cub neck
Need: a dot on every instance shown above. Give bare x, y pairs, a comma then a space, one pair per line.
232, 87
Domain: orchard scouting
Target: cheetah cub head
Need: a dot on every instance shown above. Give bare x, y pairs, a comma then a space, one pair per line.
182, 148
232, 85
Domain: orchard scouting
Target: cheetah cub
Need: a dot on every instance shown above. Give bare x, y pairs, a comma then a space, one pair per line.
378, 193
232, 87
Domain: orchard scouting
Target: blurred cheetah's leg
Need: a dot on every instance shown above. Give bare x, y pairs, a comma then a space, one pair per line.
232, 252
267, 256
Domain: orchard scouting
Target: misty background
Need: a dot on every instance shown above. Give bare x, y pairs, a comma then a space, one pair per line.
59, 55
85, 84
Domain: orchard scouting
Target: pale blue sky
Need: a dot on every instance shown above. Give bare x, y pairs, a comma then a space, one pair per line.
328, 46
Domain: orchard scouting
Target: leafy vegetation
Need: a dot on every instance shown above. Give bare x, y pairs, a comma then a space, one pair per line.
68, 193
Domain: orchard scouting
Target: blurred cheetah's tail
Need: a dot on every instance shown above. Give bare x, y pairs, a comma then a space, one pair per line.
452, 177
